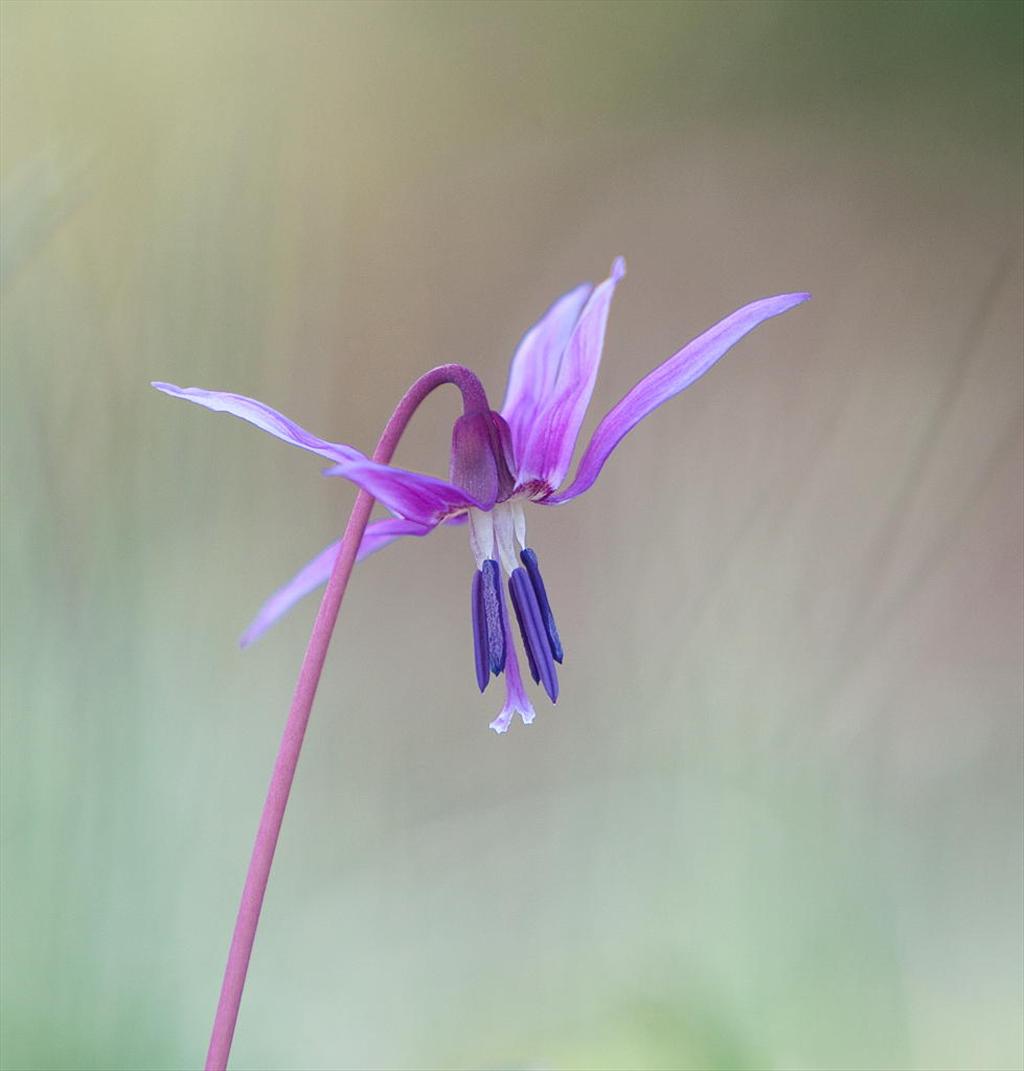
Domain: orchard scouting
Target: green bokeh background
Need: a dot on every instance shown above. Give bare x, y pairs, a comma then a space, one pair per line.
775, 820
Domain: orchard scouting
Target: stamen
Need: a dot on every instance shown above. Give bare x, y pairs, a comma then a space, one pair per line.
493, 605
479, 632
530, 660
481, 536
547, 617
531, 626
504, 537
518, 521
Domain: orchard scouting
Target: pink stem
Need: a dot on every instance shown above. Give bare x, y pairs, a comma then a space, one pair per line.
302, 702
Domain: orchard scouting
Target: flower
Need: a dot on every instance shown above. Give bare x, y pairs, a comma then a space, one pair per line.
502, 462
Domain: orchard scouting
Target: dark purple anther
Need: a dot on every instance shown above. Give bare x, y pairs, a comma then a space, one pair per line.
493, 605
530, 561
531, 661
479, 632
531, 625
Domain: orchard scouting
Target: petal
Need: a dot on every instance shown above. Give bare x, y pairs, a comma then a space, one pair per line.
316, 572
414, 496
676, 374
535, 363
382, 533
552, 437
307, 579
265, 418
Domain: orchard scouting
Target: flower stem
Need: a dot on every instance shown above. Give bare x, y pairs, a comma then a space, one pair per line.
302, 702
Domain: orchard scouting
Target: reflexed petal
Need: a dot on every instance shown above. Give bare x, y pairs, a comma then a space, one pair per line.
676, 374
315, 573
552, 438
535, 363
381, 533
307, 579
265, 418
412, 495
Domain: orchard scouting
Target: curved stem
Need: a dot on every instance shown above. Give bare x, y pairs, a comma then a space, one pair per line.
298, 716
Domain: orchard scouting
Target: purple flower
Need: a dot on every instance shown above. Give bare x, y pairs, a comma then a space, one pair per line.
502, 462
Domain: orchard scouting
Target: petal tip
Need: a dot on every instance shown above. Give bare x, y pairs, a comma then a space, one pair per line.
618, 268
501, 723
258, 626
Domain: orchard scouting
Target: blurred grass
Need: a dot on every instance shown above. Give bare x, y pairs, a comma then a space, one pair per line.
775, 821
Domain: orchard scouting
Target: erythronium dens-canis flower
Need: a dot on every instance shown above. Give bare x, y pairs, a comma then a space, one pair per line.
502, 462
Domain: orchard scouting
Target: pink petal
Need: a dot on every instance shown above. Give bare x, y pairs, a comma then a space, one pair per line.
552, 438
535, 363
667, 380
315, 573
415, 497
264, 418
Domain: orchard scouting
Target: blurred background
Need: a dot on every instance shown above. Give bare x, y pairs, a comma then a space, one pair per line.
775, 820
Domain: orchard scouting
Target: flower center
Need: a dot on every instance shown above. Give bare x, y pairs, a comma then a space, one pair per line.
499, 536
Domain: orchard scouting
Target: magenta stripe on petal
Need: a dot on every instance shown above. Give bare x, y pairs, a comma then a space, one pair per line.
676, 374
264, 418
